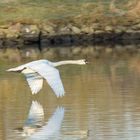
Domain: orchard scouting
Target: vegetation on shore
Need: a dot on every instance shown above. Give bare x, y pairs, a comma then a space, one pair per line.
58, 22
80, 10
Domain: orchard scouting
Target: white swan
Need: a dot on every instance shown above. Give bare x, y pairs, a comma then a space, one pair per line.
38, 70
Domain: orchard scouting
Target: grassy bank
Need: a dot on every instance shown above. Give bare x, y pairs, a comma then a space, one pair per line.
54, 22
87, 10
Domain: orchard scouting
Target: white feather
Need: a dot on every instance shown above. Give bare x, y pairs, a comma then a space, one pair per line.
35, 81
51, 75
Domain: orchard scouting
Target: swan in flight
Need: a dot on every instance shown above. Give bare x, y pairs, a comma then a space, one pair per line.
36, 71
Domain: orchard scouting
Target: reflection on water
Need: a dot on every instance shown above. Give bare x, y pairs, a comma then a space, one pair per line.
102, 101
35, 119
36, 128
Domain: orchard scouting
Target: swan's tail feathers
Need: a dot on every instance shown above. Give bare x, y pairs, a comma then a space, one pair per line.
17, 69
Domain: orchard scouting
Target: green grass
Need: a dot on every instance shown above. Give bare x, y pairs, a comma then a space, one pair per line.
39, 10
43, 10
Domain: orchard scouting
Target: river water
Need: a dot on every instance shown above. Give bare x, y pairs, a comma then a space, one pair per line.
102, 102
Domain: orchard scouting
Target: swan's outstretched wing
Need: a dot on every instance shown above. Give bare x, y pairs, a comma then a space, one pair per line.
36, 115
54, 80
52, 76
35, 81
52, 128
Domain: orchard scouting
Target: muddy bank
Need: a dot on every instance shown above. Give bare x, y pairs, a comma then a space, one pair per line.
68, 33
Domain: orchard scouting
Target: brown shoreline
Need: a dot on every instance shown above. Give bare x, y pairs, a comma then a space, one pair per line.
20, 34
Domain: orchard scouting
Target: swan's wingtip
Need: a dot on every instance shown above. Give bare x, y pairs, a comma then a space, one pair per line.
60, 95
34, 92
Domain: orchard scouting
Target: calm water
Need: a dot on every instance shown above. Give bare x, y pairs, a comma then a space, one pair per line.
102, 102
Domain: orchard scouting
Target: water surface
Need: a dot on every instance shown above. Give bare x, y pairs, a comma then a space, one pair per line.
102, 101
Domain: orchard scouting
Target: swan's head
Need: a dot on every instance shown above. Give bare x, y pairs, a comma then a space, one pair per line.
82, 62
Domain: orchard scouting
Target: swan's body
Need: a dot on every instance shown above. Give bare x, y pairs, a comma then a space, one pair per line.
36, 71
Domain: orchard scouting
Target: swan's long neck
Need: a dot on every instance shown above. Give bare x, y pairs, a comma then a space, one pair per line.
77, 62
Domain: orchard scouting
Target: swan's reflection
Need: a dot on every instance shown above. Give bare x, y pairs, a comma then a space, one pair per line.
36, 128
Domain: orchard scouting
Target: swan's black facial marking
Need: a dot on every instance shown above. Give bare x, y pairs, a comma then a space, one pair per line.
86, 62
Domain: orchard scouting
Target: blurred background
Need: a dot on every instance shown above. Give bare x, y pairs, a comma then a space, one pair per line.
102, 99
